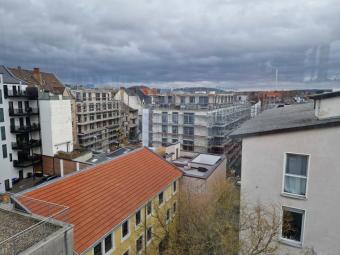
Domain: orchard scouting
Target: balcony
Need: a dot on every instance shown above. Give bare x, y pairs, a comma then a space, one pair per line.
26, 144
25, 129
26, 161
29, 92
23, 112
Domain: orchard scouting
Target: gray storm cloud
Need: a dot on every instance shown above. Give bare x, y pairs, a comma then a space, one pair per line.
170, 41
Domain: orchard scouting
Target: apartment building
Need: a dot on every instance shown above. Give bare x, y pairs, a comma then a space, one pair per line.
28, 113
130, 123
290, 160
201, 122
115, 206
98, 118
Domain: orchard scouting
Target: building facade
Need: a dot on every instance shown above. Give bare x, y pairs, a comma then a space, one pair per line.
290, 161
31, 116
200, 122
98, 118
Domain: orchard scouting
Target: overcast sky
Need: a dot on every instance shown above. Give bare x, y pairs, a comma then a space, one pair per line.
174, 42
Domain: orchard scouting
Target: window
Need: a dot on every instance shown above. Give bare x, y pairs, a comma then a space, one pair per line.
295, 177
149, 208
174, 186
139, 244
203, 100
149, 234
175, 117
164, 117
164, 141
125, 229
3, 133
188, 131
127, 252
188, 145
174, 207
0, 96
182, 100
138, 218
167, 215
192, 99
1, 115
161, 198
4, 151
188, 118
97, 250
174, 129
292, 224
108, 243
174, 140
164, 129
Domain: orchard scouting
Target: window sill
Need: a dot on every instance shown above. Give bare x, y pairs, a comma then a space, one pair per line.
291, 243
124, 238
283, 194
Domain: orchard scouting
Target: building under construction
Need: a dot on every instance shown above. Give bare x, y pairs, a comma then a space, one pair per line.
201, 122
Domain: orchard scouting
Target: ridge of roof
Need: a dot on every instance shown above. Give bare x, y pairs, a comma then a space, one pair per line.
326, 95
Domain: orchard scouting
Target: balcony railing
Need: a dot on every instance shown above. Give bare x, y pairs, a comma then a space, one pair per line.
16, 93
26, 144
26, 161
21, 112
25, 129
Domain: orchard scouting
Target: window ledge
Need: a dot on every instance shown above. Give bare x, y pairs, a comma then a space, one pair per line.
283, 194
291, 243
125, 237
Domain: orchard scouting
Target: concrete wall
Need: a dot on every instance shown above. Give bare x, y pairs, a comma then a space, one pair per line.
59, 243
262, 181
56, 126
327, 108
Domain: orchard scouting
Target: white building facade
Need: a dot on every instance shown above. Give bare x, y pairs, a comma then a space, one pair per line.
290, 160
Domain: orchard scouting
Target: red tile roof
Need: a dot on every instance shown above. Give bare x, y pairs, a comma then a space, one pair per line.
101, 197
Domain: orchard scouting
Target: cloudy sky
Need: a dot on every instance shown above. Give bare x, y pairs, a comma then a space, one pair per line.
224, 42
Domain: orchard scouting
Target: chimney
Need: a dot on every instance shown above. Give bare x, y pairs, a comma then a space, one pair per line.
37, 75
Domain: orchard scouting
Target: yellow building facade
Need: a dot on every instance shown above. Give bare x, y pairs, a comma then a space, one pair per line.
142, 231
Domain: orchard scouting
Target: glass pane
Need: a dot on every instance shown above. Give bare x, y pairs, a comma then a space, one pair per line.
295, 185
296, 164
292, 225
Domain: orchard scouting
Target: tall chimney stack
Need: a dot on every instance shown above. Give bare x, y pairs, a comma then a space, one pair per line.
37, 75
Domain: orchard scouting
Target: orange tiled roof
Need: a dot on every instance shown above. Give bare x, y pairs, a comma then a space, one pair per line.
102, 197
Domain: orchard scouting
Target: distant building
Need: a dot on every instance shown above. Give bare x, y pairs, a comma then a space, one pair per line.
98, 118
290, 160
200, 122
113, 205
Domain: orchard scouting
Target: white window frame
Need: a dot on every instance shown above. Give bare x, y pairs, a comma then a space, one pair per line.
113, 243
146, 208
141, 218
283, 193
167, 221
303, 225
121, 232
128, 249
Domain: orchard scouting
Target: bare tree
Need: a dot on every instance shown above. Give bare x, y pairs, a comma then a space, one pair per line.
210, 225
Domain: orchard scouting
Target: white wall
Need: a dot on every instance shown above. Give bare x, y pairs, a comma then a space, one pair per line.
262, 175
327, 108
56, 126
145, 128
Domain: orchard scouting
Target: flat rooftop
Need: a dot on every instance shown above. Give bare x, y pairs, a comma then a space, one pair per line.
101, 157
12, 223
284, 119
198, 165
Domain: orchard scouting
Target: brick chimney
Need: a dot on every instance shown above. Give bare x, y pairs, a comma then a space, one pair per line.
37, 75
